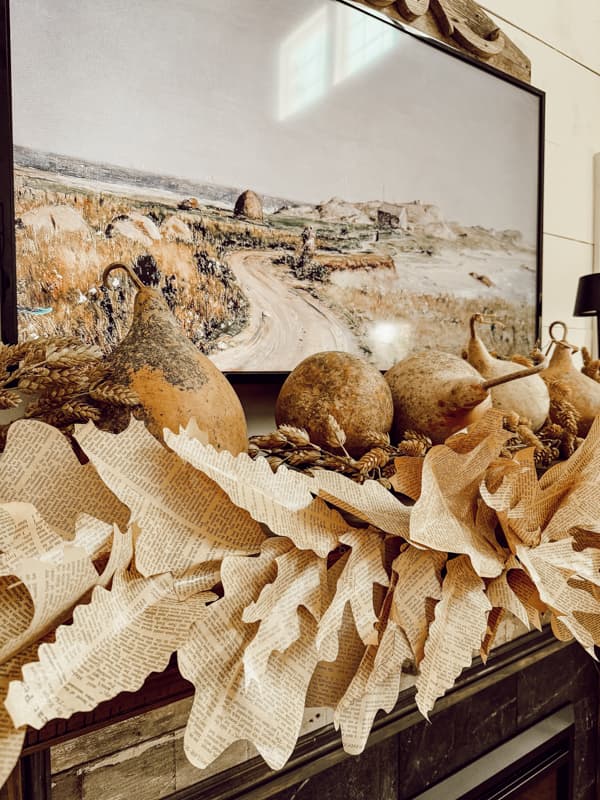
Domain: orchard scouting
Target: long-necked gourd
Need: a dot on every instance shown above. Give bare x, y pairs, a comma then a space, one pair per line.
561, 372
173, 380
529, 398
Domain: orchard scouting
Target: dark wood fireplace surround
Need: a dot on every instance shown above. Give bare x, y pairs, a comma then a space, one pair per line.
524, 681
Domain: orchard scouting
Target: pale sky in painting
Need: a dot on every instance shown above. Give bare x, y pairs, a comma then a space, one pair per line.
304, 100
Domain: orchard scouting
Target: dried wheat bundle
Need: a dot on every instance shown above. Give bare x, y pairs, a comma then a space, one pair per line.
292, 447
591, 366
61, 381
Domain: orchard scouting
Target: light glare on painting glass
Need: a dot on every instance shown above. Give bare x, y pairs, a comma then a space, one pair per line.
360, 41
303, 64
330, 46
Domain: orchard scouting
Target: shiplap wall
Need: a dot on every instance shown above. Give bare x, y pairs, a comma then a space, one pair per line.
563, 42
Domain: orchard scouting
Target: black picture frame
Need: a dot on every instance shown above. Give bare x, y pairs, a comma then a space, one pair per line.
8, 254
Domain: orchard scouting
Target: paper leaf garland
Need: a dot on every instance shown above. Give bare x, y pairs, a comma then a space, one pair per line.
313, 607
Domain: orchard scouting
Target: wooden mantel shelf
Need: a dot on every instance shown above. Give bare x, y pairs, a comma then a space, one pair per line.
507, 681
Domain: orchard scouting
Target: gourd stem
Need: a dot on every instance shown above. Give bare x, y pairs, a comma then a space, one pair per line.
129, 270
484, 319
512, 376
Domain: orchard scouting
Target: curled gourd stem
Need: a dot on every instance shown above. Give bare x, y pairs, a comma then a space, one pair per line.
554, 340
129, 270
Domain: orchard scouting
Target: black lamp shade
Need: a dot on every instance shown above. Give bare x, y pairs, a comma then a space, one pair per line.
587, 302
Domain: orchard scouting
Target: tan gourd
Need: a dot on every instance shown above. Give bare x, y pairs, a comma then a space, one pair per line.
584, 391
172, 379
439, 393
529, 398
340, 385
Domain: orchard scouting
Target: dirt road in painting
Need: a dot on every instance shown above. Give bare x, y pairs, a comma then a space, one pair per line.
286, 323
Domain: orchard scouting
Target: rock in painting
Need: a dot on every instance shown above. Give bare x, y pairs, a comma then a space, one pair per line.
249, 205
53, 220
137, 227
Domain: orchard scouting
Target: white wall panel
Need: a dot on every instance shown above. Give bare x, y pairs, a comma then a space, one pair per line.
564, 47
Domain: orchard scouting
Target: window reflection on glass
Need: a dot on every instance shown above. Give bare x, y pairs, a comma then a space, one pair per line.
304, 64
360, 41
330, 46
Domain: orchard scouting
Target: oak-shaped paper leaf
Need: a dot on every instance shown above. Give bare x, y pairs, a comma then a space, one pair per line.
501, 594
457, 630
369, 502
38, 466
268, 712
419, 581
301, 582
280, 500
112, 645
577, 609
445, 517
363, 569
185, 519
11, 738
375, 686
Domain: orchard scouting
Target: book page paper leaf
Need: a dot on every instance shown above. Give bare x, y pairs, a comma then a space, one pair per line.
501, 595
369, 501
54, 589
419, 578
444, 517
406, 479
457, 631
363, 569
225, 709
495, 617
301, 581
375, 686
184, 517
38, 466
279, 500
11, 738
112, 645
567, 602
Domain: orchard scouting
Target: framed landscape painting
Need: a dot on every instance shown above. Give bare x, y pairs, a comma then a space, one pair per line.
293, 177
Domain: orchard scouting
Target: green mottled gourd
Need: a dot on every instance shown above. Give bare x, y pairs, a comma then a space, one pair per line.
529, 398
172, 379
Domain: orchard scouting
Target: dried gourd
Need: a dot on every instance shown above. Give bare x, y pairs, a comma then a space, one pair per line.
332, 389
172, 379
439, 393
529, 398
584, 391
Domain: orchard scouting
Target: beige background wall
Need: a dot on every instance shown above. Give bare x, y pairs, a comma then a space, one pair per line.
563, 42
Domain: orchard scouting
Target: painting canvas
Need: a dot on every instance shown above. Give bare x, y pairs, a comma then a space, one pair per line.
293, 177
